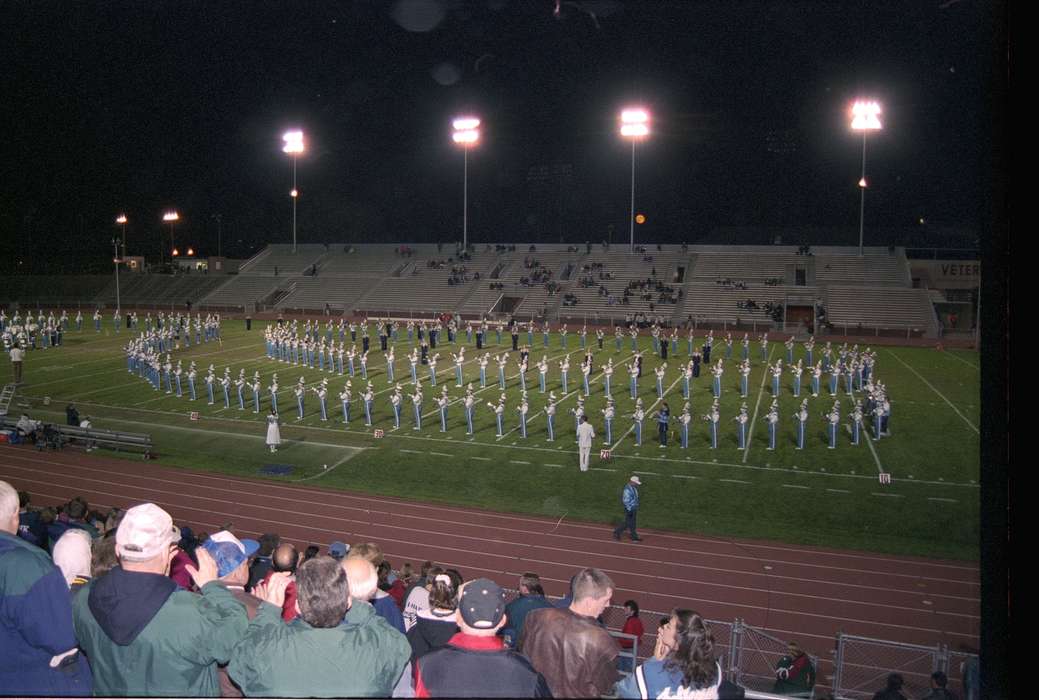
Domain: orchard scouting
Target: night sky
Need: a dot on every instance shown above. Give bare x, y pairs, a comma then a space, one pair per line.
141, 106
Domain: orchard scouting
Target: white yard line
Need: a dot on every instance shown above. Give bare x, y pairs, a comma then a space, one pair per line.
953, 407
969, 364
323, 472
887, 495
944, 500
761, 392
733, 481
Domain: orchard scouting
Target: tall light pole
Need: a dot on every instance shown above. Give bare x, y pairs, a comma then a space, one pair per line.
293, 146
467, 133
117, 261
171, 217
865, 118
121, 220
634, 126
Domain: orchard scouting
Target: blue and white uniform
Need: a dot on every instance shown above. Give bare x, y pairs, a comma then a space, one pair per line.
550, 416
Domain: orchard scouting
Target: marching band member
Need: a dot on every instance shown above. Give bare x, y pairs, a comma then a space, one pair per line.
607, 373
718, 371
499, 412
741, 427
772, 419
683, 421
344, 401
802, 419
550, 415
564, 368
470, 408
637, 417
300, 392
660, 370
542, 372
369, 402
416, 400
322, 394
607, 414
523, 408
712, 419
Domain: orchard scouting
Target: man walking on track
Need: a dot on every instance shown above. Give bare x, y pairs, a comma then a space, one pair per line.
630, 501
585, 433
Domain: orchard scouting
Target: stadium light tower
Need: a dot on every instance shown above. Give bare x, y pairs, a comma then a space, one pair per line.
293, 146
171, 217
122, 220
467, 134
865, 118
117, 261
634, 126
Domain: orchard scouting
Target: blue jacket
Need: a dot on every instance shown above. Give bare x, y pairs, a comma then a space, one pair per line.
36, 625
630, 497
653, 680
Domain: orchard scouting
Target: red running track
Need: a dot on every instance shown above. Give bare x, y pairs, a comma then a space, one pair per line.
793, 592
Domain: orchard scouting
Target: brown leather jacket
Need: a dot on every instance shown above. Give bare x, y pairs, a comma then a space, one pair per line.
575, 655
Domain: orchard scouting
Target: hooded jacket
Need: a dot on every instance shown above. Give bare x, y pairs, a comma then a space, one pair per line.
144, 636
431, 631
362, 657
36, 625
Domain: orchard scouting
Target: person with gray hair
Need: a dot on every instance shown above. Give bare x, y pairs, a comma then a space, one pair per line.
568, 647
142, 633
337, 647
72, 556
39, 644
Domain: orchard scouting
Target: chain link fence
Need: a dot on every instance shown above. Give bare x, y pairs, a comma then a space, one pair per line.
756, 654
863, 665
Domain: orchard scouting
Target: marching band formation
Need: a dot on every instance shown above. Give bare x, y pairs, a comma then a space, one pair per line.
325, 348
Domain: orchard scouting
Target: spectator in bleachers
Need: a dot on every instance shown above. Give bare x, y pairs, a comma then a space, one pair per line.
690, 668
416, 597
795, 673
531, 597
142, 634
474, 662
359, 655
72, 556
939, 691
102, 555
37, 638
30, 525
391, 584
433, 627
384, 605
568, 647
184, 558
285, 560
261, 564
632, 625
232, 564
893, 689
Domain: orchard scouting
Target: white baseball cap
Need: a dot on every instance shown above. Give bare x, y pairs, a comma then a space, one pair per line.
145, 532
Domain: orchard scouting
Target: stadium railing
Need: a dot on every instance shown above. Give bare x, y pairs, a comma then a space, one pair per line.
862, 665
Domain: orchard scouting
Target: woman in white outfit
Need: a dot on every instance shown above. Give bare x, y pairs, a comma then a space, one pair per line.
273, 431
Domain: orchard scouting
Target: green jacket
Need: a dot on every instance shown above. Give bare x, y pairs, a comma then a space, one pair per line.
144, 637
362, 657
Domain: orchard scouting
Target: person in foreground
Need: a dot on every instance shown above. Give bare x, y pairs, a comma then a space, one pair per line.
475, 661
568, 647
142, 633
39, 654
685, 665
324, 652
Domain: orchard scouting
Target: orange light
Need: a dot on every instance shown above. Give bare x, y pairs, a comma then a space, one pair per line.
294, 193
640, 219
171, 216
121, 219
862, 183
176, 252
191, 251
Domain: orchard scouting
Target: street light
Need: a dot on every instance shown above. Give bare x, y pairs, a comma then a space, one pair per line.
293, 146
121, 220
634, 126
467, 134
865, 118
171, 217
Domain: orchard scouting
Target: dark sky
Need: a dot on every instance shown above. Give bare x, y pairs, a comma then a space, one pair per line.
139, 106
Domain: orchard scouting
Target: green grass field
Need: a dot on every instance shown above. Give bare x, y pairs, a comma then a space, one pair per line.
815, 496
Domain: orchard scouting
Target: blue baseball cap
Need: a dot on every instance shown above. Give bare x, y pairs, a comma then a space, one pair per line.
229, 552
338, 550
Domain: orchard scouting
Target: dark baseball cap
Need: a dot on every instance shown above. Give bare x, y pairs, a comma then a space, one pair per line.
482, 603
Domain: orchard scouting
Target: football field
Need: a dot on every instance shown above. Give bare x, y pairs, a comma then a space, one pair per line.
818, 496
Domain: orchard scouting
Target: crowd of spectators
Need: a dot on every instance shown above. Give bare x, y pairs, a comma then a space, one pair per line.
128, 604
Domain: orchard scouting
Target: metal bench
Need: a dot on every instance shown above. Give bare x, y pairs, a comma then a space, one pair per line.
116, 439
